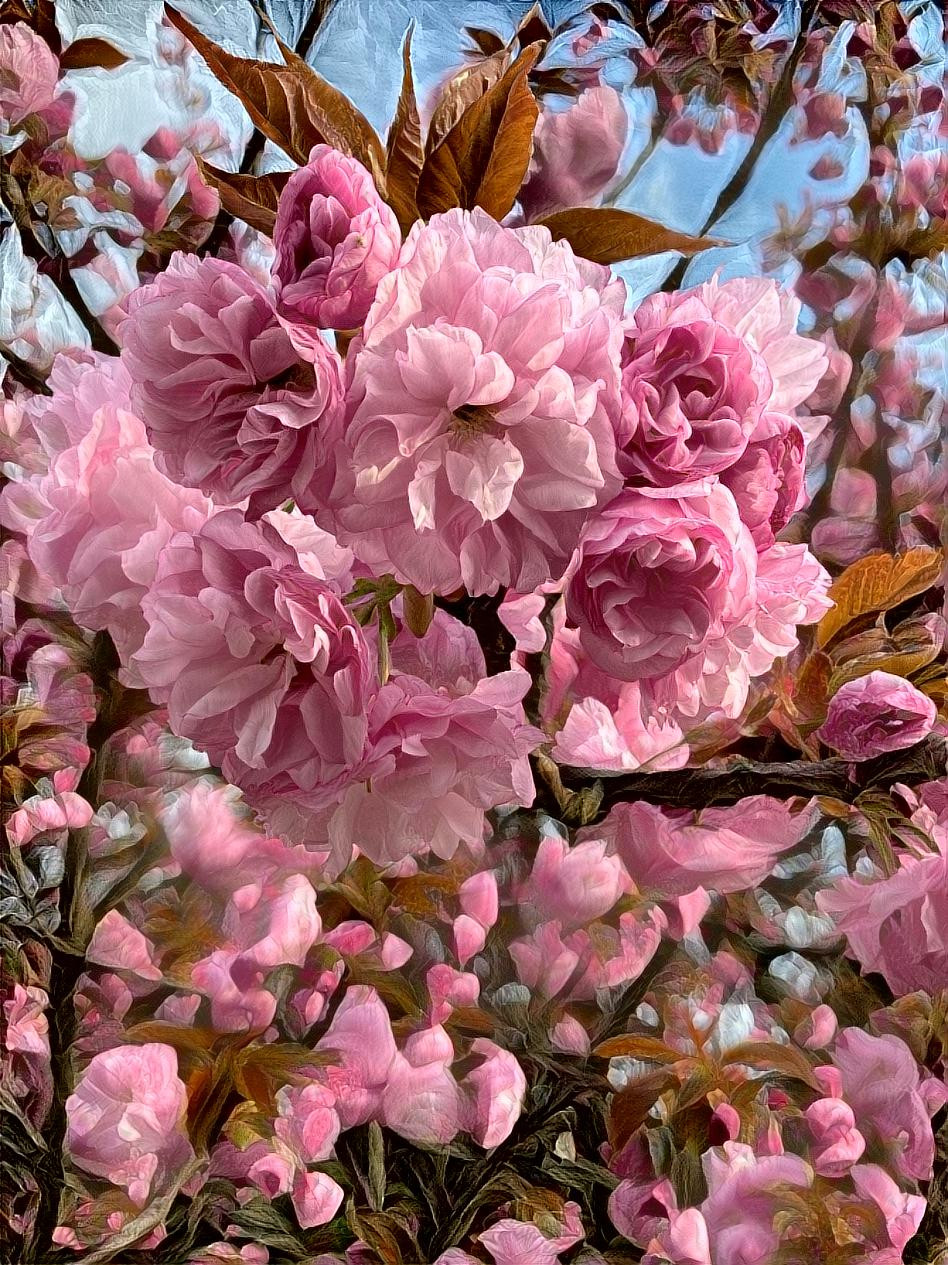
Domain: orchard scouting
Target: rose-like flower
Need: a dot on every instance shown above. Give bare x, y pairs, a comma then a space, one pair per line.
482, 404
876, 713
867, 1069
259, 663
766, 481
334, 239
125, 1122
701, 368
98, 519
668, 589
228, 404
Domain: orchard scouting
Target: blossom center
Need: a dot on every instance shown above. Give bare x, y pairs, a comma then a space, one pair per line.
471, 419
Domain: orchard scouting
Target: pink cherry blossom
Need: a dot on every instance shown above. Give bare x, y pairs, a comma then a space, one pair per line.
335, 239
98, 519
876, 713
576, 152
479, 430
421, 1100
125, 1119
360, 1034
513, 1242
701, 368
226, 400
273, 678
316, 1198
837, 1143
668, 589
495, 1090
572, 885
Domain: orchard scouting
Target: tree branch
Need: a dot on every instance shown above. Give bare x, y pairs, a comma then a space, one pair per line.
707, 786
781, 100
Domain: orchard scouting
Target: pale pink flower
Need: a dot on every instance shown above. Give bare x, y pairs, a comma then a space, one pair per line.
448, 988
421, 1100
234, 984
671, 852
745, 1191
482, 400
316, 1199
576, 152
495, 1092
572, 885
897, 926
97, 521
876, 713
766, 480
891, 1100
259, 664
361, 1035
441, 760
837, 1143
527, 1243
117, 944
29, 73
228, 404
701, 368
668, 589
901, 1213
125, 1121
334, 239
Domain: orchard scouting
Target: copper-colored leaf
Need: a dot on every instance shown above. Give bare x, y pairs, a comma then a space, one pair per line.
405, 154
638, 1048
877, 583
91, 52
631, 1105
418, 610
768, 1056
483, 159
461, 91
605, 234
250, 198
292, 105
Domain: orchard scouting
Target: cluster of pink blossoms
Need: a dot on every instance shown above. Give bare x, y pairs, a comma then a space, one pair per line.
287, 504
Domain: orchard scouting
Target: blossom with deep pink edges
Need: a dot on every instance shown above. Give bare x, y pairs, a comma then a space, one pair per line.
335, 239
668, 589
702, 369
229, 405
125, 1120
874, 714
483, 394
98, 519
258, 662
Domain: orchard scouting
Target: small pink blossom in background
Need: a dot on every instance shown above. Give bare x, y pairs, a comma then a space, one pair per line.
513, 1242
874, 714
495, 1090
576, 152
316, 1199
334, 239
480, 425
126, 1119
702, 369
226, 400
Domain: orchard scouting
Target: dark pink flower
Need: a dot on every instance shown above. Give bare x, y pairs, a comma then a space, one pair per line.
228, 404
874, 714
335, 239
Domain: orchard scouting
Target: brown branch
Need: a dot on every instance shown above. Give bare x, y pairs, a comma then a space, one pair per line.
781, 100
706, 786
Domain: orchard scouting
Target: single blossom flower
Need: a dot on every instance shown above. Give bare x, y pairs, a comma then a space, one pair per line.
228, 404
874, 714
334, 239
484, 389
125, 1121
